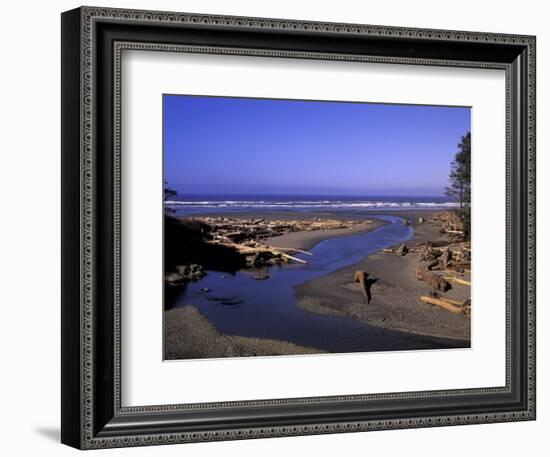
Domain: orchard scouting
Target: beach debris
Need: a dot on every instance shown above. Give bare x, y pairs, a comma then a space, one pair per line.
183, 274
445, 257
450, 224
449, 305
174, 279
235, 242
450, 254
241, 230
456, 280
429, 253
259, 255
292, 250
426, 275
403, 250
191, 271
467, 305
435, 294
259, 259
361, 277
433, 265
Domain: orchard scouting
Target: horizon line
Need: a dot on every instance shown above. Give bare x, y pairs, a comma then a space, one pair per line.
307, 195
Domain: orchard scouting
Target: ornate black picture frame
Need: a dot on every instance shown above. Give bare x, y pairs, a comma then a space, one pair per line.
92, 42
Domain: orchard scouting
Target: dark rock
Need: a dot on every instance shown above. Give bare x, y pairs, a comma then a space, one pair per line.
174, 279
225, 300
191, 271
260, 277
231, 302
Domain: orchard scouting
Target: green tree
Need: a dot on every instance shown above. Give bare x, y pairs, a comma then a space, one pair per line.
168, 192
460, 180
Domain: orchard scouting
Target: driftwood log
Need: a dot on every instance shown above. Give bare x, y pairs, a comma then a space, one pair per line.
403, 250
432, 265
291, 250
442, 303
462, 282
247, 250
467, 305
429, 253
437, 282
445, 257
362, 278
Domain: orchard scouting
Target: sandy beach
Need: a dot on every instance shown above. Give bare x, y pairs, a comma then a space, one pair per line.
395, 294
395, 318
189, 335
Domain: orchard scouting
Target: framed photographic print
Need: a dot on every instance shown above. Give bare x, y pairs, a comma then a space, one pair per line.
274, 227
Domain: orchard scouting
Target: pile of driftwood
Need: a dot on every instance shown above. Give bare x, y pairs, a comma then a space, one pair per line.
450, 224
240, 230
259, 255
451, 257
247, 237
184, 273
441, 263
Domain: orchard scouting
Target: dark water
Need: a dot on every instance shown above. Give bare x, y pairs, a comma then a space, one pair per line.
268, 308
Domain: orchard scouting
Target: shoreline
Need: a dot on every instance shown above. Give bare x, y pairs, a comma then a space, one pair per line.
395, 292
304, 239
188, 334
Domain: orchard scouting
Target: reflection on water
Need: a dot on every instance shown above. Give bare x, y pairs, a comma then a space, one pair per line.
238, 304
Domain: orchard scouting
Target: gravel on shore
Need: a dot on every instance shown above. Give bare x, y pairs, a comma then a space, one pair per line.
189, 335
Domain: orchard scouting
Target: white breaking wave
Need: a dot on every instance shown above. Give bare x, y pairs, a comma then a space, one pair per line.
303, 204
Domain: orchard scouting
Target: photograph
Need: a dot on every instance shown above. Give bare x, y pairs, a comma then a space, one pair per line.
276, 227
308, 227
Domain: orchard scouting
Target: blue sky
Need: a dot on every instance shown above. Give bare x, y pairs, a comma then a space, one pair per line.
222, 145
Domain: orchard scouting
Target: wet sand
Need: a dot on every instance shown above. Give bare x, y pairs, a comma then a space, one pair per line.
189, 335
395, 301
305, 240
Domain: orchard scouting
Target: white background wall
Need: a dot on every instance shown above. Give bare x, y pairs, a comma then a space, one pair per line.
30, 214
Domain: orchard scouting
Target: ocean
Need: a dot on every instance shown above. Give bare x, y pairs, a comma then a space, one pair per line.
204, 204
